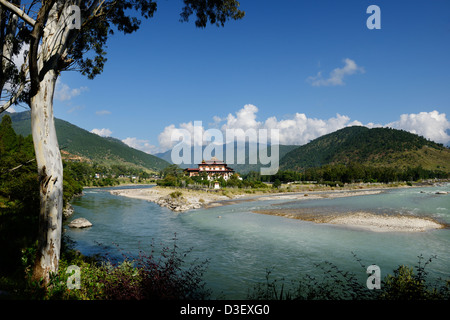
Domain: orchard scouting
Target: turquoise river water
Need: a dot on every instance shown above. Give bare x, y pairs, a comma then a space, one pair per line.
241, 245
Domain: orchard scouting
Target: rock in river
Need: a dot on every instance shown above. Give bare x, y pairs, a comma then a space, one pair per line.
80, 223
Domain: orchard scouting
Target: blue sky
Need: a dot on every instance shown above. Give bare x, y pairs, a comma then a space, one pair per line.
313, 65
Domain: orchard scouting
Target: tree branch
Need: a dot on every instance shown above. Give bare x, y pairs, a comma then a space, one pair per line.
19, 12
13, 98
6, 58
19, 166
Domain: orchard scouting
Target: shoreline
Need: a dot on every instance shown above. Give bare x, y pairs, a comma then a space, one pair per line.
181, 200
368, 221
194, 199
167, 197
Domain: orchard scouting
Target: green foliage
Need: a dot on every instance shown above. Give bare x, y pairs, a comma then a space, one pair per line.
165, 275
276, 183
336, 284
338, 174
172, 170
377, 147
176, 194
7, 136
405, 284
71, 187
215, 11
19, 198
168, 181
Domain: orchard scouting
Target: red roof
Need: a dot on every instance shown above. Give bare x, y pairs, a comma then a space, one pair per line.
213, 161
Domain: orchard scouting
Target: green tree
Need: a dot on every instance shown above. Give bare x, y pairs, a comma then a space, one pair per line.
19, 197
276, 183
234, 181
8, 137
173, 170
55, 46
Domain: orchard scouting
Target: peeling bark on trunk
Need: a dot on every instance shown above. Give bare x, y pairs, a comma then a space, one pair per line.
50, 169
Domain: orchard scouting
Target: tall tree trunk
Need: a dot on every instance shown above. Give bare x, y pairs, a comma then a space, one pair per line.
50, 171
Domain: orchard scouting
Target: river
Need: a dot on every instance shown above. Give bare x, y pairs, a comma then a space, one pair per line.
242, 245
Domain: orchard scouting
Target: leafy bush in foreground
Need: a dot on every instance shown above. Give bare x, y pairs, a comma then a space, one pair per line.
167, 276
404, 284
162, 276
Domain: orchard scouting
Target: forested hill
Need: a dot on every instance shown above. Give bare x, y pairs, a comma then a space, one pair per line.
77, 143
375, 147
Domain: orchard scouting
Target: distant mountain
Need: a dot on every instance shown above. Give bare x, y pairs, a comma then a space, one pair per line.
77, 143
241, 168
375, 147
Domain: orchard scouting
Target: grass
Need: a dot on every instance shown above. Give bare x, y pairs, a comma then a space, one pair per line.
176, 194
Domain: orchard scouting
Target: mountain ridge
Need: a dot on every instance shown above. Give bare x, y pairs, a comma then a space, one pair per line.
81, 145
382, 147
369, 146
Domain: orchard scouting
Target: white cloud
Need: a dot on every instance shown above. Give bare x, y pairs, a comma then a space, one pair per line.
299, 129
432, 125
75, 108
9, 90
102, 112
244, 119
19, 59
170, 135
64, 93
102, 132
336, 77
139, 144
11, 109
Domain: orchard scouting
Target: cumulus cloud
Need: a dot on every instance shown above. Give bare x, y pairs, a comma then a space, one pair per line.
244, 119
336, 77
102, 132
140, 144
432, 125
300, 129
171, 135
297, 130
64, 93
